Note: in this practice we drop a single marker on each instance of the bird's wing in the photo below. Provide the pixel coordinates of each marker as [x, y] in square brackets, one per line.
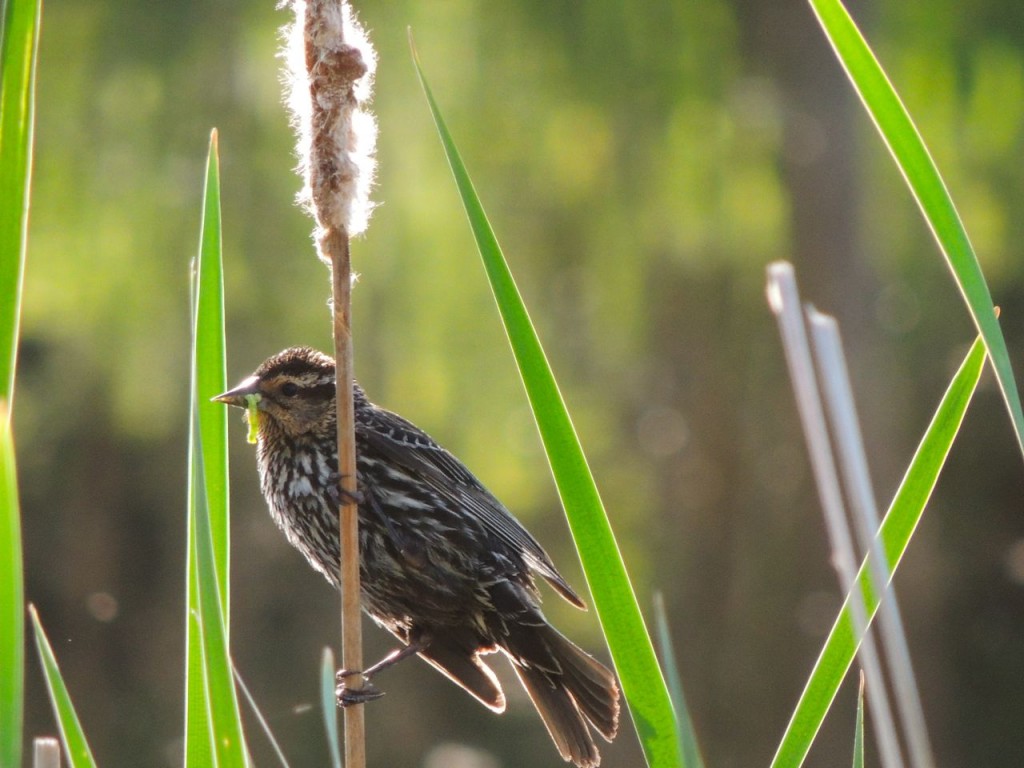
[408, 446]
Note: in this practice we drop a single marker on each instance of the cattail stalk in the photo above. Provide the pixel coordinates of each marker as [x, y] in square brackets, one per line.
[331, 67]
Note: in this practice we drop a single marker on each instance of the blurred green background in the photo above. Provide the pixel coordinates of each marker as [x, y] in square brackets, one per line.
[641, 166]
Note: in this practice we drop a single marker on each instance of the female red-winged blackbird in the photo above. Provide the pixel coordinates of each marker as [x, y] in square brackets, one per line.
[445, 567]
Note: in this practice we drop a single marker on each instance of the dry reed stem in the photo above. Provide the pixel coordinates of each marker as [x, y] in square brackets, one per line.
[335, 244]
[45, 752]
[331, 65]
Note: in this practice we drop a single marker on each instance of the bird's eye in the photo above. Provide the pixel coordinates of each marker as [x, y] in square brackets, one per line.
[289, 389]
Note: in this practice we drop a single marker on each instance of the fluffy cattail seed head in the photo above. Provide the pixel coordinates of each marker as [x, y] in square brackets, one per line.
[329, 81]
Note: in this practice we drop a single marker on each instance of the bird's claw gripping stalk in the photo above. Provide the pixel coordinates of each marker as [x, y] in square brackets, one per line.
[368, 692]
[347, 697]
[339, 495]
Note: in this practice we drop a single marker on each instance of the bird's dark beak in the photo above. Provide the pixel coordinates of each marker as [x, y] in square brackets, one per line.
[237, 395]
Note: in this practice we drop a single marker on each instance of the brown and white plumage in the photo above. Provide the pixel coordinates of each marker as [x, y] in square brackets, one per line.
[445, 567]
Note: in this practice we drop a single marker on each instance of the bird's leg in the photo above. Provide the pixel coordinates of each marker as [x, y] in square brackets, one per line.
[348, 696]
[390, 660]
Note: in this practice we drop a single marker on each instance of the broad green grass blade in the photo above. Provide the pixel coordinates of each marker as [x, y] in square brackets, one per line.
[628, 640]
[897, 528]
[915, 163]
[329, 707]
[75, 746]
[18, 48]
[858, 729]
[210, 370]
[198, 749]
[225, 721]
[19, 41]
[687, 734]
[12, 603]
[210, 691]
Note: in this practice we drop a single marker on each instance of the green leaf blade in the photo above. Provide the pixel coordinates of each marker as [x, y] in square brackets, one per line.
[12, 603]
[198, 750]
[908, 149]
[210, 365]
[899, 524]
[18, 55]
[687, 733]
[630, 644]
[225, 721]
[75, 745]
[19, 43]
[858, 729]
[213, 728]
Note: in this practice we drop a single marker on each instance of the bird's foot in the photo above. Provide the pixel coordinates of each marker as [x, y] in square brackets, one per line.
[347, 697]
[339, 495]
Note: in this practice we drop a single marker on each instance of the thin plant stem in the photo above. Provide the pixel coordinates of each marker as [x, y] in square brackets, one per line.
[785, 302]
[335, 244]
[850, 445]
[331, 63]
[259, 717]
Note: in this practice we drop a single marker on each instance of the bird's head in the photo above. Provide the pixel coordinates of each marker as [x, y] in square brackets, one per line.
[292, 392]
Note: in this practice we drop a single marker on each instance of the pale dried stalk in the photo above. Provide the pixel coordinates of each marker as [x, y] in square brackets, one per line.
[45, 752]
[334, 243]
[331, 72]
[835, 381]
[785, 302]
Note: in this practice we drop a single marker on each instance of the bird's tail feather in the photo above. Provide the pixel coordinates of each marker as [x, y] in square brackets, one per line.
[562, 718]
[569, 688]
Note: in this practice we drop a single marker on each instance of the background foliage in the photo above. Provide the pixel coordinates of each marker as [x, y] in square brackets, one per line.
[641, 168]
